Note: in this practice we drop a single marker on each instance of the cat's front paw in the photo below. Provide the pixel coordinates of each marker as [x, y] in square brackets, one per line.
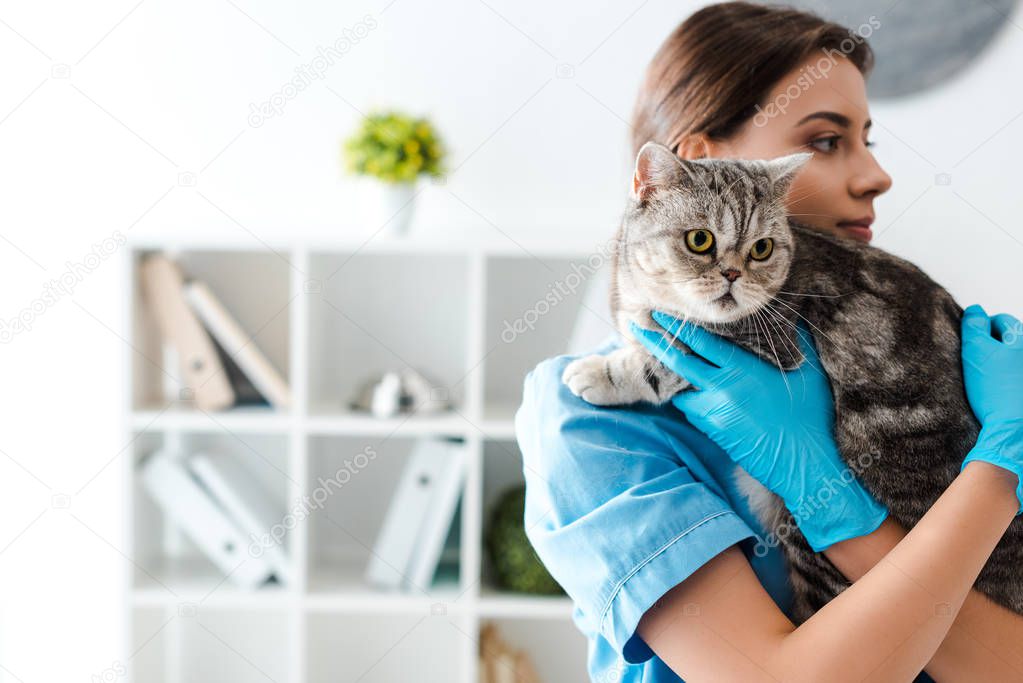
[588, 379]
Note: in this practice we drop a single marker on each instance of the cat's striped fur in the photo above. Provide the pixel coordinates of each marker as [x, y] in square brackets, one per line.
[887, 335]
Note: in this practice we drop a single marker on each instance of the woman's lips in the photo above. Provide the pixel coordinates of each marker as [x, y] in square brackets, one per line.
[858, 229]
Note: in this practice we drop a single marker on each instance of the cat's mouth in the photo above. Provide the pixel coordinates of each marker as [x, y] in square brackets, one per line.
[727, 308]
[724, 308]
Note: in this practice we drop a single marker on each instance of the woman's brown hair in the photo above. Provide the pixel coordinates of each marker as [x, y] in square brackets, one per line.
[714, 71]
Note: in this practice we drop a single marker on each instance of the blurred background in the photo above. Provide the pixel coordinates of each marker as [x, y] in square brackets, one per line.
[215, 133]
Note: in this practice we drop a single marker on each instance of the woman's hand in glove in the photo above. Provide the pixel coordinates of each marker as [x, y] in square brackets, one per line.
[993, 372]
[776, 424]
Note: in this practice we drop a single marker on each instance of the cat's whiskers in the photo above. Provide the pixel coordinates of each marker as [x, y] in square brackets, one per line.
[781, 318]
[767, 334]
[764, 306]
[660, 356]
[778, 320]
[796, 200]
[823, 334]
[827, 296]
[734, 182]
[819, 215]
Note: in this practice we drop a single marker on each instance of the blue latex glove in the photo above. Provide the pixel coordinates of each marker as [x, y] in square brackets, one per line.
[993, 371]
[777, 425]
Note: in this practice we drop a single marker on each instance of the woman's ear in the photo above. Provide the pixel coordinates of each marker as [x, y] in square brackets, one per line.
[696, 146]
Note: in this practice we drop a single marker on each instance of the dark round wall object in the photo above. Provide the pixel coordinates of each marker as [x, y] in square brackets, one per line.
[918, 43]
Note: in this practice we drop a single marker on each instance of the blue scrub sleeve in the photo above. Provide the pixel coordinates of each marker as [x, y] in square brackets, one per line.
[611, 509]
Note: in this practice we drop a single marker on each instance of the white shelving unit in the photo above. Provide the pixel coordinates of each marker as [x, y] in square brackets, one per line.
[330, 315]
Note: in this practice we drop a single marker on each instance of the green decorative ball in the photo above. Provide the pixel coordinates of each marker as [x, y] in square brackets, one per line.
[515, 564]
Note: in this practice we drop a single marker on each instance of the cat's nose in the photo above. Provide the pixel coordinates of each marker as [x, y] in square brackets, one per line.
[731, 274]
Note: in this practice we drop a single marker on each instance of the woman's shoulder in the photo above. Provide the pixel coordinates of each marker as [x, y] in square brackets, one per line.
[550, 414]
[593, 473]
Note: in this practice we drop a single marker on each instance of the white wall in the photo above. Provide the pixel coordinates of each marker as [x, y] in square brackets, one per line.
[155, 89]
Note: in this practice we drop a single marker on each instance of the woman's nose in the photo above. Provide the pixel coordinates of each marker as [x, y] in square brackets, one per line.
[869, 179]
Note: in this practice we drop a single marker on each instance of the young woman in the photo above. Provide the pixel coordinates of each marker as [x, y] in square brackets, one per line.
[635, 511]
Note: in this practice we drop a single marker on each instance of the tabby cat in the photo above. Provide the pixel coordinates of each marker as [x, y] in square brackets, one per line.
[709, 240]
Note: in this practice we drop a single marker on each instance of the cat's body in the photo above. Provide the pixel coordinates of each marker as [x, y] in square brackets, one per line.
[887, 336]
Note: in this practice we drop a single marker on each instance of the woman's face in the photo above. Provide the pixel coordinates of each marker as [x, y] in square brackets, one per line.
[820, 107]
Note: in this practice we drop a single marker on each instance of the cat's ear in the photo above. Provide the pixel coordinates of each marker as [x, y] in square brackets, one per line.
[656, 167]
[783, 170]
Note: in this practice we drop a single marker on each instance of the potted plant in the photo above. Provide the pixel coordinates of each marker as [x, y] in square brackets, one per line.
[395, 149]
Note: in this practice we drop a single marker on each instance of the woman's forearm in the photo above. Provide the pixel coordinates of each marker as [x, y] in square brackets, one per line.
[985, 640]
[889, 624]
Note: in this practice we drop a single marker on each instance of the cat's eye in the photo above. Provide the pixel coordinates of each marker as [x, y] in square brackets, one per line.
[699, 241]
[762, 248]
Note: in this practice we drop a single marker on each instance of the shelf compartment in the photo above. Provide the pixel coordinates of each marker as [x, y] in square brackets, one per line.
[502, 470]
[499, 421]
[415, 317]
[336, 585]
[254, 286]
[556, 648]
[385, 648]
[532, 309]
[357, 477]
[168, 581]
[167, 564]
[199, 644]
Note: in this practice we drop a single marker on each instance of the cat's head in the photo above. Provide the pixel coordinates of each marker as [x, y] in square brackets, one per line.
[707, 238]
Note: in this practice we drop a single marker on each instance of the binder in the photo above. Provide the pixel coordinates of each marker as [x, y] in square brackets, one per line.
[189, 507]
[394, 555]
[239, 346]
[439, 516]
[200, 368]
[246, 502]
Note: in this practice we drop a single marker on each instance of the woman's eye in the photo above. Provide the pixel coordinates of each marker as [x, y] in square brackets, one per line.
[699, 241]
[828, 144]
[761, 249]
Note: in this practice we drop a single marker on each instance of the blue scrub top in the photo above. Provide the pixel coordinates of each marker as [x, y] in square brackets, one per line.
[624, 503]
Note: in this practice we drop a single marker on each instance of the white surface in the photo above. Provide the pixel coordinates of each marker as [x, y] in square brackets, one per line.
[536, 156]
[395, 547]
[335, 512]
[439, 517]
[246, 504]
[189, 509]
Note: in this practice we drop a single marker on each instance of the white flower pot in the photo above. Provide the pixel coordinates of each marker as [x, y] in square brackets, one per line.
[395, 206]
